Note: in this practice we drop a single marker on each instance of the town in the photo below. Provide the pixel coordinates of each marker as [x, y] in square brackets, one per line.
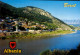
[9, 26]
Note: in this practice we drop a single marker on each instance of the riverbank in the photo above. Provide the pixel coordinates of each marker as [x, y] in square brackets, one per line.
[40, 35]
[62, 52]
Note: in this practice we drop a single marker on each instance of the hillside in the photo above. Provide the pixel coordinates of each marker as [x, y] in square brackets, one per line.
[33, 14]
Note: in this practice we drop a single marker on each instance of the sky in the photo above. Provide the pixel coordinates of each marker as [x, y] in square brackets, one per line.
[56, 8]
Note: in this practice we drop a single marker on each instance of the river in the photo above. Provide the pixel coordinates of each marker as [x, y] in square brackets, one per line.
[34, 47]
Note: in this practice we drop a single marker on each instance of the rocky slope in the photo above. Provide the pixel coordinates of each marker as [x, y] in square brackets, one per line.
[61, 25]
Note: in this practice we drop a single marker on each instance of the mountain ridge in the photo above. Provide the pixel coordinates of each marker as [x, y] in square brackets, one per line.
[33, 14]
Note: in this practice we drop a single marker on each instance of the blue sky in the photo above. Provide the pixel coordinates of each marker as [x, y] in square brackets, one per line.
[56, 8]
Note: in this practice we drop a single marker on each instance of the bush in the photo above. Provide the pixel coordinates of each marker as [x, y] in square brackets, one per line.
[47, 52]
[62, 52]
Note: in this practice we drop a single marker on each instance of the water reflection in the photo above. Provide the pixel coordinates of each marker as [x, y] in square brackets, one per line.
[34, 47]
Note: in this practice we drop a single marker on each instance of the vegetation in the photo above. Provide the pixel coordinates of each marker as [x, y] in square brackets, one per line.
[40, 35]
[32, 15]
[62, 52]
[72, 26]
[37, 28]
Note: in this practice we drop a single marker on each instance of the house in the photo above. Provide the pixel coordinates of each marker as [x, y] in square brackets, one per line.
[0, 30]
[27, 29]
[3, 30]
[37, 23]
[7, 17]
[29, 23]
[34, 26]
[1, 22]
[58, 28]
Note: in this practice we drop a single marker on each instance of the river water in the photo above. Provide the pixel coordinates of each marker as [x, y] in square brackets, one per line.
[34, 47]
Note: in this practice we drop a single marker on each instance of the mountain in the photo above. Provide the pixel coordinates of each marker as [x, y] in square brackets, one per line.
[33, 14]
[72, 21]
